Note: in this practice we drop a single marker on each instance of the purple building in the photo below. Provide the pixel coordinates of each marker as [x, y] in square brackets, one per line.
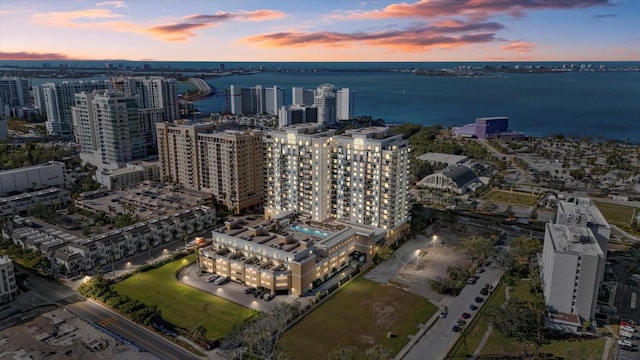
[483, 128]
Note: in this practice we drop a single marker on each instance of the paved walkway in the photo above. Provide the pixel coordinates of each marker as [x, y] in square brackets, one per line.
[607, 345]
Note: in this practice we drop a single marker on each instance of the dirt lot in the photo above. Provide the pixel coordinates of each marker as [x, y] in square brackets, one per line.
[60, 335]
[433, 260]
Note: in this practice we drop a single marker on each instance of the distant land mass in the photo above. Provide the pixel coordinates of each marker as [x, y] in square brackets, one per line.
[587, 99]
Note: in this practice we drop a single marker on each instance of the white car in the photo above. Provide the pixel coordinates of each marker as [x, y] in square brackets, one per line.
[628, 328]
[625, 343]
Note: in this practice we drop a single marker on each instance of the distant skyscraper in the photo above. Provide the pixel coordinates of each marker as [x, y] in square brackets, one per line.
[155, 92]
[15, 96]
[58, 98]
[344, 104]
[107, 127]
[297, 114]
[301, 96]
[256, 100]
[325, 101]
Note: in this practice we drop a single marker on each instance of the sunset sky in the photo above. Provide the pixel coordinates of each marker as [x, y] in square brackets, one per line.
[321, 30]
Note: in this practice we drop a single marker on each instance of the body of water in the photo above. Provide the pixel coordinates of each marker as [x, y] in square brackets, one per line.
[596, 104]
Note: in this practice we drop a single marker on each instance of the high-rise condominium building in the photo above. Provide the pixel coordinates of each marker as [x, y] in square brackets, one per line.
[226, 163]
[573, 260]
[326, 102]
[301, 96]
[256, 100]
[58, 98]
[344, 104]
[297, 114]
[107, 127]
[361, 177]
[15, 95]
[154, 92]
[298, 170]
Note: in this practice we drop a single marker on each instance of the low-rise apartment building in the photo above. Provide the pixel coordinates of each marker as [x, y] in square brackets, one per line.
[74, 254]
[285, 258]
[32, 177]
[21, 203]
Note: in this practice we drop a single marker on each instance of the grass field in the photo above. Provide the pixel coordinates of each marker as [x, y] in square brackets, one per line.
[182, 305]
[360, 315]
[512, 197]
[618, 215]
[499, 344]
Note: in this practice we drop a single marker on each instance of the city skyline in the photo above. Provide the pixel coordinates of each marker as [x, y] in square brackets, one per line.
[427, 30]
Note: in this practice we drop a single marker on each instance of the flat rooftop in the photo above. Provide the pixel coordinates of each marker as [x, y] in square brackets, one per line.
[583, 207]
[448, 159]
[576, 240]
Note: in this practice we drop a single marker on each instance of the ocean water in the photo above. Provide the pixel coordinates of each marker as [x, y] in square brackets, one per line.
[597, 104]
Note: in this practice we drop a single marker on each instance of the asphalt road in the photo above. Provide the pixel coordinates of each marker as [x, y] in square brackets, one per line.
[140, 337]
[436, 342]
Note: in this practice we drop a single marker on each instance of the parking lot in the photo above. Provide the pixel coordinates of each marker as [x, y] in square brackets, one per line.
[628, 342]
[233, 291]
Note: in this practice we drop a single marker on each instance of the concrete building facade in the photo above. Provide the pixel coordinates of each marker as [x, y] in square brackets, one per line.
[58, 98]
[8, 287]
[15, 96]
[297, 114]
[107, 127]
[33, 177]
[17, 204]
[573, 261]
[326, 102]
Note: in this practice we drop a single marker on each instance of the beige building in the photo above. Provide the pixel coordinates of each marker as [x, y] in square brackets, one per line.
[285, 258]
[360, 177]
[226, 163]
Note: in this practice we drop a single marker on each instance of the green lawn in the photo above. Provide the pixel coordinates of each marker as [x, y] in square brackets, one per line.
[617, 214]
[498, 344]
[360, 315]
[182, 305]
[512, 197]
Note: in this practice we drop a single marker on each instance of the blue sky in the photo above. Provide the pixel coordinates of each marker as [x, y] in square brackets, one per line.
[327, 30]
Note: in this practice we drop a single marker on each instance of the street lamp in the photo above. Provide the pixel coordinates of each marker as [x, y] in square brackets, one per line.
[417, 258]
[433, 242]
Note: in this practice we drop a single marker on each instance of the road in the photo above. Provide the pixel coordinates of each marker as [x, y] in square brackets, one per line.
[436, 342]
[140, 337]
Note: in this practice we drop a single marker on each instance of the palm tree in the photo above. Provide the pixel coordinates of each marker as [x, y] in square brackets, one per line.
[198, 332]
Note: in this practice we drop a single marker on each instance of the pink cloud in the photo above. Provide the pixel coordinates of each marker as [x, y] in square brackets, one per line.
[435, 8]
[444, 35]
[102, 19]
[519, 46]
[23, 55]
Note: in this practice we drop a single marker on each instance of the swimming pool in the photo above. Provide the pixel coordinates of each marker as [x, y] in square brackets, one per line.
[308, 231]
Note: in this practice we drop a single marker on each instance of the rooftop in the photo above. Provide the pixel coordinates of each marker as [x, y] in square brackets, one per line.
[448, 159]
[573, 240]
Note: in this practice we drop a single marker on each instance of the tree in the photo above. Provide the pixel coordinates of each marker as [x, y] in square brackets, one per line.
[523, 246]
[198, 332]
[477, 248]
[384, 252]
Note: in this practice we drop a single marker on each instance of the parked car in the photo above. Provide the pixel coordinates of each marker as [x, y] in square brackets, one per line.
[627, 323]
[456, 328]
[212, 278]
[465, 315]
[479, 299]
[443, 314]
[250, 290]
[479, 270]
[461, 322]
[484, 292]
[625, 343]
[473, 307]
[221, 280]
[269, 296]
[628, 328]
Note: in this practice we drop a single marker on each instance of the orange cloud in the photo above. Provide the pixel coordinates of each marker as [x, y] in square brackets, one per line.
[23, 55]
[444, 34]
[519, 46]
[101, 19]
[436, 8]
